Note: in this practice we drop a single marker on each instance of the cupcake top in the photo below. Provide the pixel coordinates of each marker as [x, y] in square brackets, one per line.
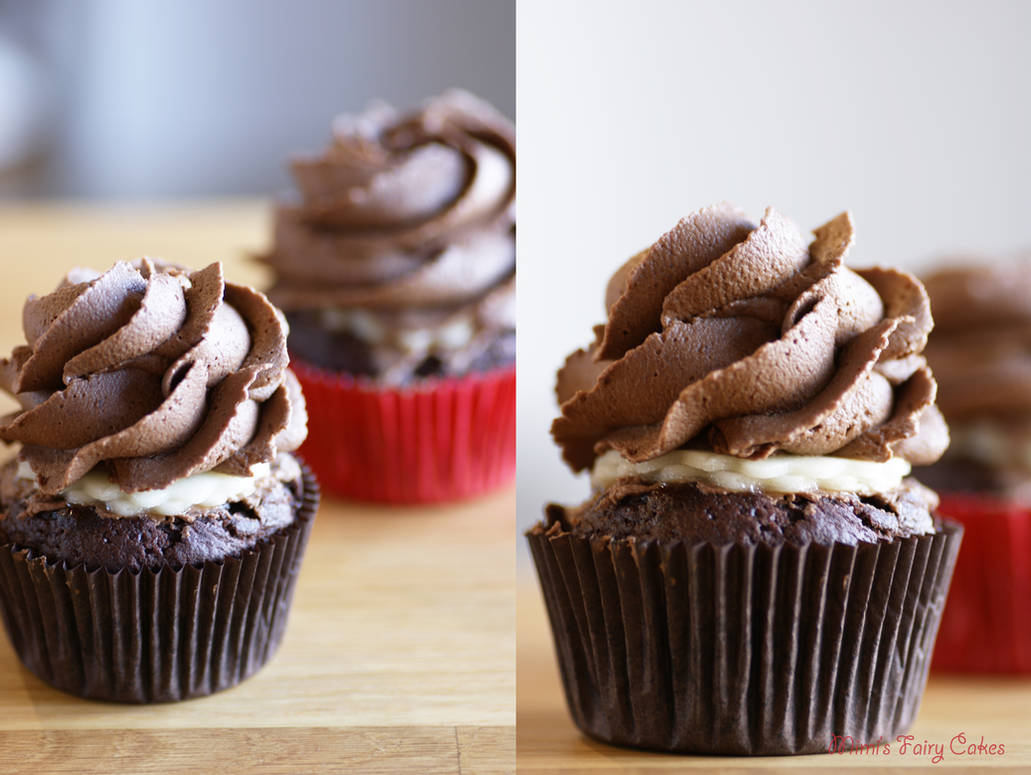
[745, 350]
[147, 376]
[403, 235]
[981, 346]
[981, 354]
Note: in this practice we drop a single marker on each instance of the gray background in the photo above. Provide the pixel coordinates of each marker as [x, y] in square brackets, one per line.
[139, 99]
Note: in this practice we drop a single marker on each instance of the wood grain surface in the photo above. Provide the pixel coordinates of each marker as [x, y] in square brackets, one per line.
[400, 652]
[547, 741]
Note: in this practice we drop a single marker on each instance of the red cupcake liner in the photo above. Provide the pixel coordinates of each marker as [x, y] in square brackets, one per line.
[986, 627]
[443, 440]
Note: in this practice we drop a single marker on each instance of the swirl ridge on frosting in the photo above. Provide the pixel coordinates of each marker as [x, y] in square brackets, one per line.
[407, 219]
[747, 340]
[154, 371]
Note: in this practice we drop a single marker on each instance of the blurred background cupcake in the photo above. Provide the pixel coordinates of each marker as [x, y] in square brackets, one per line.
[980, 350]
[396, 269]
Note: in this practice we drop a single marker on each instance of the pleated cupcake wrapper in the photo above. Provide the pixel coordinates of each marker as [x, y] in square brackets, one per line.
[744, 649]
[153, 635]
[444, 440]
[986, 627]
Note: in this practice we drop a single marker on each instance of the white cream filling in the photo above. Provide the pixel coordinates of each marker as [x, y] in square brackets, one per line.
[779, 473]
[452, 335]
[984, 441]
[203, 490]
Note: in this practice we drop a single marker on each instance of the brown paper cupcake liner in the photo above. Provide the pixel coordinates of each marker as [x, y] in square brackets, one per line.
[741, 649]
[154, 635]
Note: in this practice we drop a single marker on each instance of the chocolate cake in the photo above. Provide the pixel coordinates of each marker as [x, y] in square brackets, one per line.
[980, 350]
[397, 262]
[153, 519]
[95, 537]
[693, 512]
[753, 572]
[341, 351]
[395, 266]
[981, 353]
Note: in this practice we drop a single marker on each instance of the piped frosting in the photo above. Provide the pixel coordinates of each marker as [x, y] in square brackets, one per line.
[154, 373]
[409, 221]
[748, 340]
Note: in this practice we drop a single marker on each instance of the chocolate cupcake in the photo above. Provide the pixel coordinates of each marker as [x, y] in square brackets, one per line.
[396, 270]
[153, 520]
[753, 573]
[981, 353]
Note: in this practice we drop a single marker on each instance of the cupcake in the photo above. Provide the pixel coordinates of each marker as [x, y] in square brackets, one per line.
[153, 520]
[396, 270]
[753, 572]
[981, 353]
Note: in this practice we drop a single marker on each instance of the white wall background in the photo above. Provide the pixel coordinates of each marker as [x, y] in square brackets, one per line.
[913, 114]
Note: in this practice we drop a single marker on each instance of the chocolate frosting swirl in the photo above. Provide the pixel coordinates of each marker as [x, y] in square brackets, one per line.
[405, 215]
[154, 371]
[748, 340]
[981, 345]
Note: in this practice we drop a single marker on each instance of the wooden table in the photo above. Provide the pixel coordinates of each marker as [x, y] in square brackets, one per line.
[547, 741]
[400, 652]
